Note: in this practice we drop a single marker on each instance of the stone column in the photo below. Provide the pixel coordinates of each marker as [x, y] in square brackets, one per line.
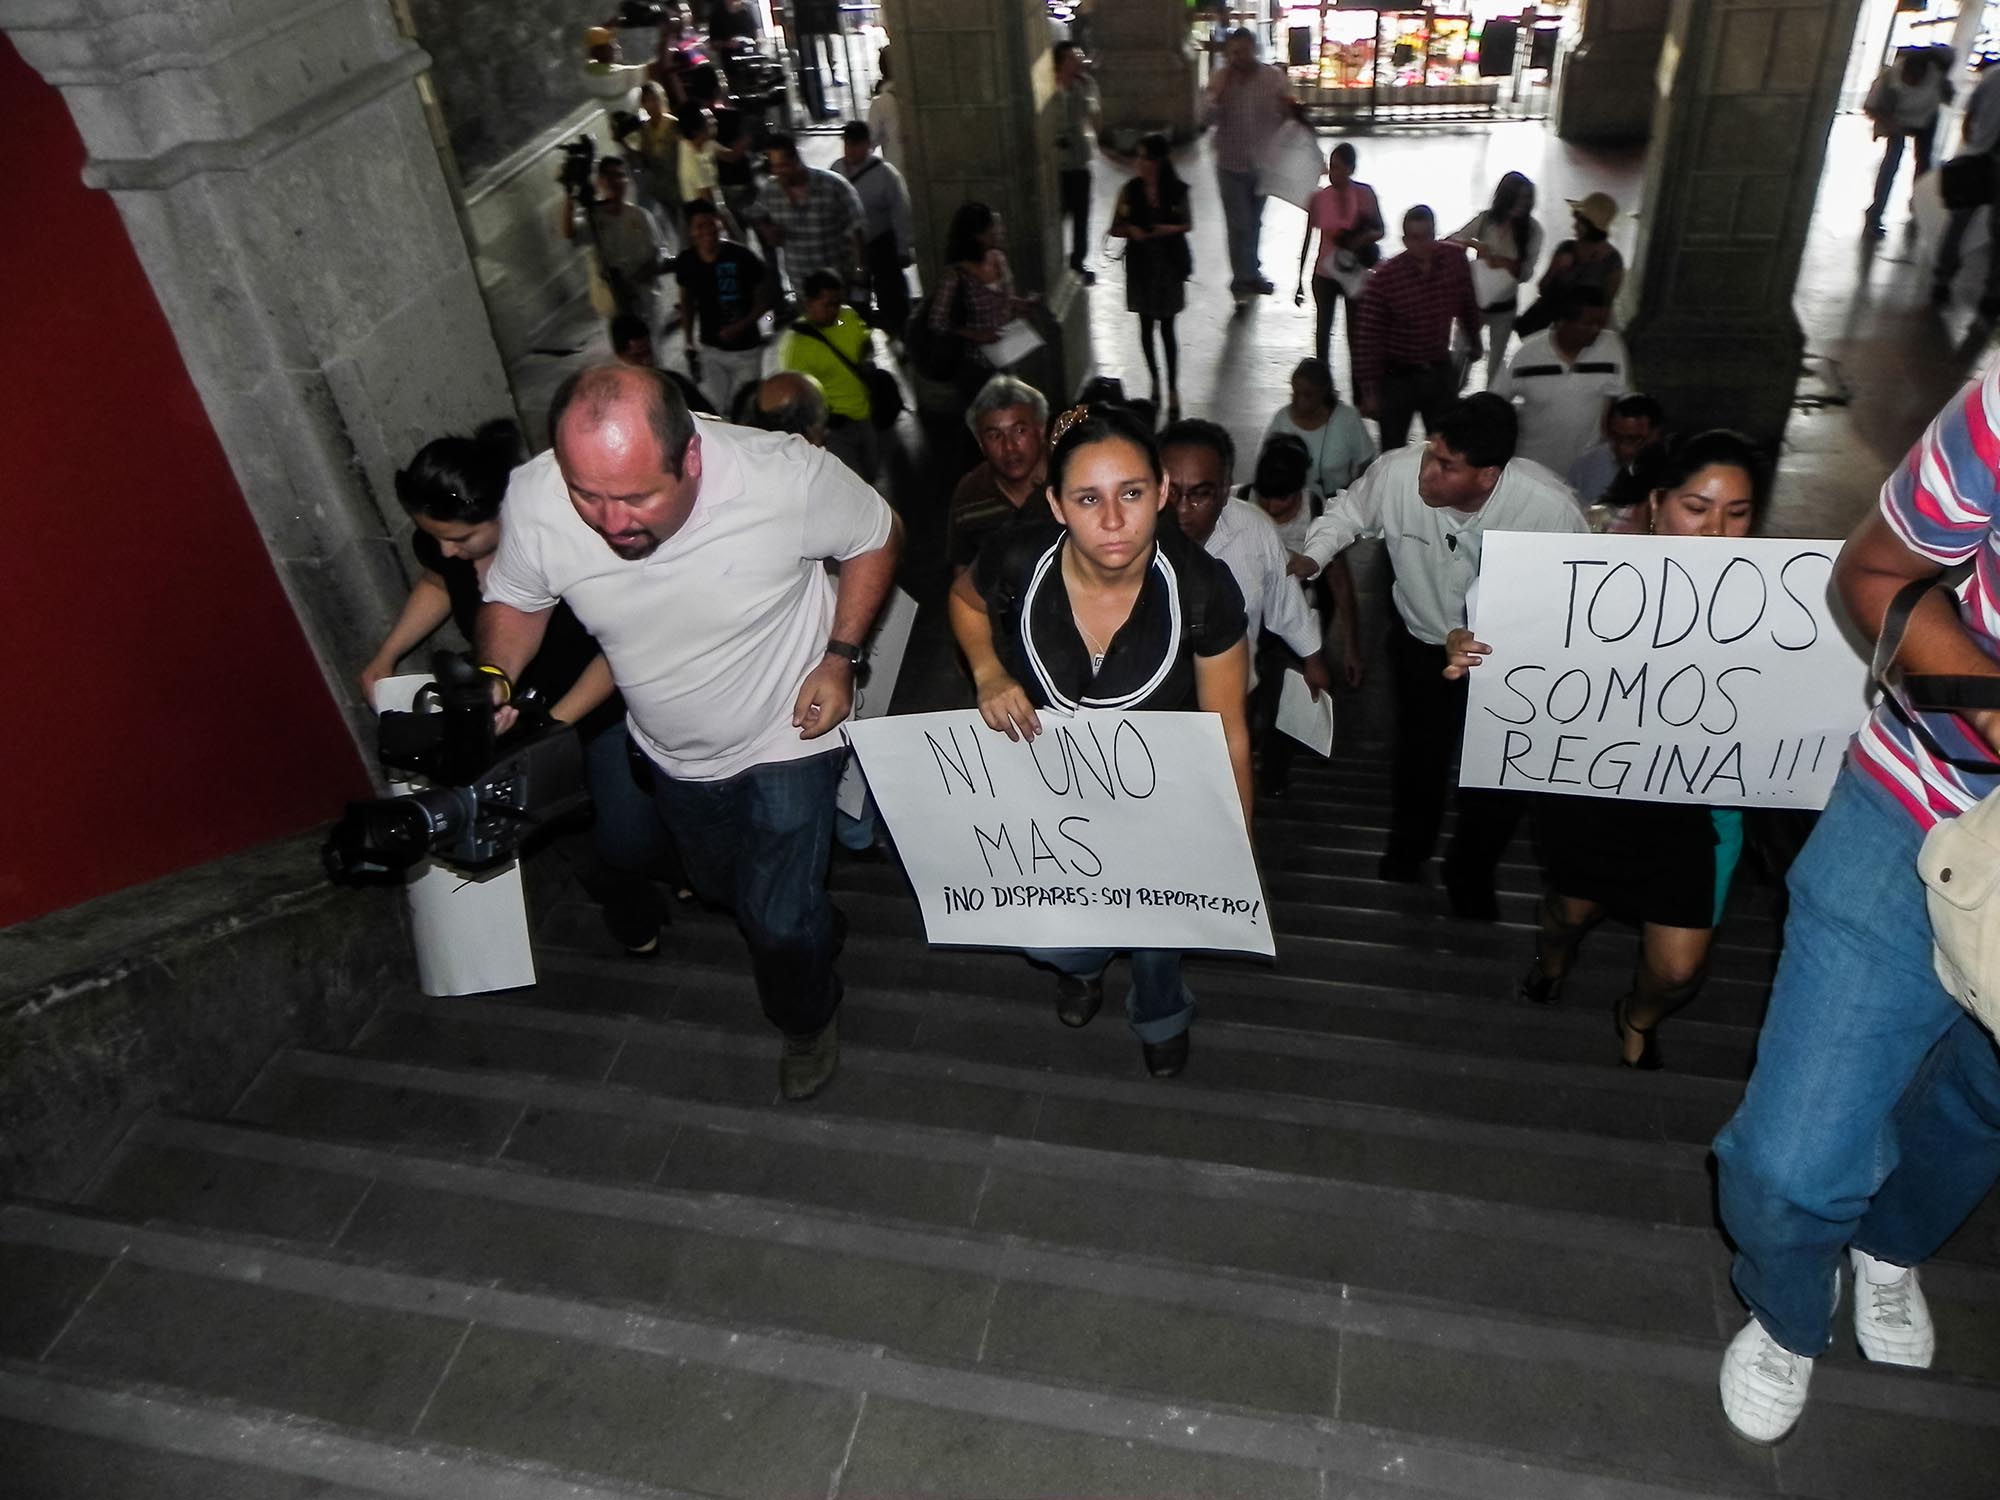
[1748, 89]
[275, 171]
[977, 90]
[1144, 67]
[1604, 94]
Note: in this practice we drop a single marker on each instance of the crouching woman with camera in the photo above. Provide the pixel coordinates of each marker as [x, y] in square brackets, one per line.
[1106, 608]
[452, 491]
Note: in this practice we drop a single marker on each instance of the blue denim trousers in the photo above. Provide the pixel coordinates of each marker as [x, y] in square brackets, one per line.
[1873, 1115]
[1243, 222]
[757, 843]
[1158, 1006]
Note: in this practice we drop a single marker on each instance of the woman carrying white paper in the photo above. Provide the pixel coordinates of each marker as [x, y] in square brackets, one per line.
[1666, 863]
[1104, 608]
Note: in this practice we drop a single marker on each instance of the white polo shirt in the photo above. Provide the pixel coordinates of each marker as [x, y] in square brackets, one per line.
[711, 636]
[1561, 402]
[1435, 551]
[1246, 541]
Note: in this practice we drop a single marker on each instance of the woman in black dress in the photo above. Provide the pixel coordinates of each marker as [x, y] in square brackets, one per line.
[1105, 608]
[1656, 861]
[1153, 220]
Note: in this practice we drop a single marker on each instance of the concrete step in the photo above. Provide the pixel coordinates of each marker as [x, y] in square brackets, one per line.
[515, 1294]
[65, 1435]
[607, 1387]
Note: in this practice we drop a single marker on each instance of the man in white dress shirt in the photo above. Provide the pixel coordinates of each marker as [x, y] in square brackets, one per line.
[1432, 506]
[1198, 457]
[695, 553]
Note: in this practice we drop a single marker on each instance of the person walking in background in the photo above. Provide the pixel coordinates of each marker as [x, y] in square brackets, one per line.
[1632, 427]
[1587, 258]
[831, 343]
[1665, 863]
[625, 239]
[975, 297]
[885, 113]
[1979, 151]
[1337, 446]
[1403, 365]
[725, 292]
[1505, 239]
[1871, 1126]
[890, 246]
[1107, 608]
[1282, 632]
[1564, 380]
[1079, 109]
[1347, 216]
[810, 218]
[1246, 101]
[1904, 106]
[1153, 219]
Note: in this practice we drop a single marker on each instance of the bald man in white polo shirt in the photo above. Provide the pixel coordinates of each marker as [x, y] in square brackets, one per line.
[694, 552]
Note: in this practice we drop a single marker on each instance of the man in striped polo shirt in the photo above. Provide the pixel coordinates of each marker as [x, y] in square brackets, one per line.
[1871, 1126]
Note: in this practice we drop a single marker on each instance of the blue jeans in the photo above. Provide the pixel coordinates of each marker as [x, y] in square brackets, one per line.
[1873, 1115]
[1158, 1005]
[627, 846]
[1243, 221]
[757, 843]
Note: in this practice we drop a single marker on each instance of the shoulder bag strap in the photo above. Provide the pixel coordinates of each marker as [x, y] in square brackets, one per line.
[1951, 694]
[811, 332]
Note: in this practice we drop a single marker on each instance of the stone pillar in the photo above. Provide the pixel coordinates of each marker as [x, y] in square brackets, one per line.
[277, 176]
[977, 90]
[1604, 93]
[1748, 89]
[1144, 67]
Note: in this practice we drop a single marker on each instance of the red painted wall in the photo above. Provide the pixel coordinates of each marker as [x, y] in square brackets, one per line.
[159, 705]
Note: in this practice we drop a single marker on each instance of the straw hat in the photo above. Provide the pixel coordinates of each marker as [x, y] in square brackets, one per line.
[1598, 209]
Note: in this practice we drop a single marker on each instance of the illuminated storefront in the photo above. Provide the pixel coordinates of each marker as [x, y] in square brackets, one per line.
[1449, 57]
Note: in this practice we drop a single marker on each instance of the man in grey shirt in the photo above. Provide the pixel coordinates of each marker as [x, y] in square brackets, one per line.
[889, 244]
[1076, 98]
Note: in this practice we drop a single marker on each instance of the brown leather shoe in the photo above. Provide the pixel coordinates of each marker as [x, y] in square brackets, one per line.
[808, 1062]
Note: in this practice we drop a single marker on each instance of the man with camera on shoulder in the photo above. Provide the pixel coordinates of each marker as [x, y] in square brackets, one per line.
[627, 242]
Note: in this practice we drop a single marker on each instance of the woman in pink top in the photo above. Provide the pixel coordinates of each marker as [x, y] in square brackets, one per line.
[1349, 221]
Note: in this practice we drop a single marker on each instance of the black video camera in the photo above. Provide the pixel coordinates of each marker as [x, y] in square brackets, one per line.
[482, 795]
[578, 172]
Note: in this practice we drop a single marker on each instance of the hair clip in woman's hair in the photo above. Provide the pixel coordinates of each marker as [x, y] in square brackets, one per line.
[1066, 421]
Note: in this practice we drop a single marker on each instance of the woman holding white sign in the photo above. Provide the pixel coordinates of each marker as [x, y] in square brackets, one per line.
[1104, 608]
[1666, 863]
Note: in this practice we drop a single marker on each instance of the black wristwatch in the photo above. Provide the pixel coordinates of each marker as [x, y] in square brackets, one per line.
[847, 651]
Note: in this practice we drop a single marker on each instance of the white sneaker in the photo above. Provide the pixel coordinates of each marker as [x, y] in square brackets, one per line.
[1892, 1322]
[1763, 1385]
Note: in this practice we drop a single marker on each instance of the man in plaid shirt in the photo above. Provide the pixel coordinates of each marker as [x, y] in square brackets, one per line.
[810, 219]
[1402, 354]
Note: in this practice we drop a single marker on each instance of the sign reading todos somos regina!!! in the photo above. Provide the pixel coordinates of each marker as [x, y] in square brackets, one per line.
[1108, 830]
[1674, 669]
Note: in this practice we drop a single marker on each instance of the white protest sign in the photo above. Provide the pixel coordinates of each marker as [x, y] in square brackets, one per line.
[886, 645]
[1292, 164]
[1671, 669]
[1109, 830]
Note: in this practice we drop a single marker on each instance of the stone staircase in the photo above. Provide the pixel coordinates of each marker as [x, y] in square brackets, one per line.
[1393, 1235]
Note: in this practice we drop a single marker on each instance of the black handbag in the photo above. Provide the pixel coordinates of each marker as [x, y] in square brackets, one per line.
[885, 396]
